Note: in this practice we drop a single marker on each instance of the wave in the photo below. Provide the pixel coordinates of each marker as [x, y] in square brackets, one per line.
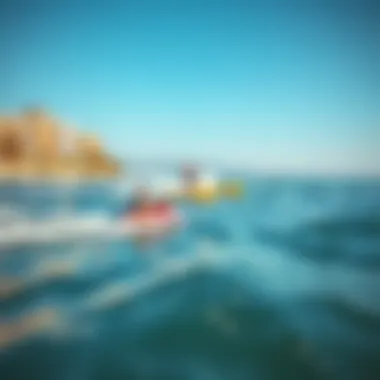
[232, 307]
[164, 271]
[349, 240]
[68, 229]
[57, 229]
[32, 323]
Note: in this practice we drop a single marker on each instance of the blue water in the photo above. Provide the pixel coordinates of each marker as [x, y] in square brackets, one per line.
[283, 284]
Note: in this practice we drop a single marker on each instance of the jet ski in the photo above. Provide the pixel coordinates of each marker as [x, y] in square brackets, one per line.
[153, 218]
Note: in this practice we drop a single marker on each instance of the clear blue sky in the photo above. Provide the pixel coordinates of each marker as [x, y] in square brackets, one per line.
[256, 83]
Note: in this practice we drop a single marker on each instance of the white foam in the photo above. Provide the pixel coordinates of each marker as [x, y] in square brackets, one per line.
[286, 276]
[10, 214]
[44, 271]
[33, 323]
[70, 229]
[167, 270]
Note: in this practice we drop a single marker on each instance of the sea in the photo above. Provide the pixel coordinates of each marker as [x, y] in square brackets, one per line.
[281, 283]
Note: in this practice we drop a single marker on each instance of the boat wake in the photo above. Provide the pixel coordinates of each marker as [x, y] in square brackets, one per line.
[71, 229]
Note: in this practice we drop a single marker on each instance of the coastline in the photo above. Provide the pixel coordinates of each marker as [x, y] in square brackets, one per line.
[59, 181]
[36, 147]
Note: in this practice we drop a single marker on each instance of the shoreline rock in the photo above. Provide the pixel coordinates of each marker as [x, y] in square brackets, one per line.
[35, 147]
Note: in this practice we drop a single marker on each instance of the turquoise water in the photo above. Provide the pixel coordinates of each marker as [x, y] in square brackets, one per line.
[283, 284]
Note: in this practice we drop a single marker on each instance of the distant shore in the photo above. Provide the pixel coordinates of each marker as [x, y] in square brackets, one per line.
[36, 147]
[64, 180]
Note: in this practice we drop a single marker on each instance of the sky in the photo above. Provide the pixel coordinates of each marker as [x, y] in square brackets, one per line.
[274, 85]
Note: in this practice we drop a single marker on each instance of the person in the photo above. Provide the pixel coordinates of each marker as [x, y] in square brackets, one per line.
[190, 178]
[147, 211]
[141, 201]
[163, 207]
[144, 205]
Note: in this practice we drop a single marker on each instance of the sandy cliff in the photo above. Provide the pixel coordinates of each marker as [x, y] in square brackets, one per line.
[34, 145]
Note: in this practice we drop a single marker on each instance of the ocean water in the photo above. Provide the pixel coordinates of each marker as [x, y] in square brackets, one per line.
[281, 284]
